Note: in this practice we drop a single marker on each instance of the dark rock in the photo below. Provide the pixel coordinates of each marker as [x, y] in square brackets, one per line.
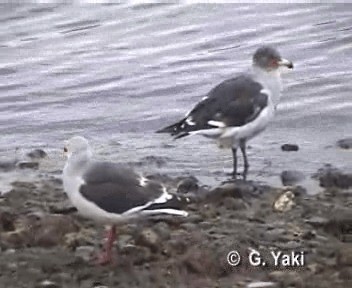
[291, 177]
[28, 165]
[234, 203]
[7, 166]
[346, 273]
[62, 208]
[235, 189]
[345, 143]
[37, 154]
[289, 147]
[332, 177]
[187, 185]
[7, 221]
[340, 224]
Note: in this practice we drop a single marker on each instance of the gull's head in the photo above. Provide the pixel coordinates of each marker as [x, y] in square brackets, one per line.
[269, 59]
[76, 145]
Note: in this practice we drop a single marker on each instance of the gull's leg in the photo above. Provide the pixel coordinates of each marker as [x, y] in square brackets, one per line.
[106, 256]
[234, 156]
[245, 160]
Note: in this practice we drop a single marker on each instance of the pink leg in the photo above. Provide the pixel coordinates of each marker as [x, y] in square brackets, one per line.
[106, 257]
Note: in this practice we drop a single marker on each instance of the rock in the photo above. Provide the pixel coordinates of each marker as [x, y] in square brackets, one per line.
[234, 203]
[6, 166]
[345, 143]
[148, 238]
[235, 189]
[7, 221]
[346, 273]
[287, 278]
[154, 160]
[261, 284]
[200, 261]
[37, 154]
[50, 230]
[344, 255]
[38, 229]
[340, 224]
[163, 230]
[317, 221]
[85, 252]
[330, 176]
[28, 165]
[62, 208]
[291, 177]
[289, 147]
[284, 202]
[189, 184]
[48, 284]
[137, 255]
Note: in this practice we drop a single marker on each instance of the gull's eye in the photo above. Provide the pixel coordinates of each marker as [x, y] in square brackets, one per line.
[65, 150]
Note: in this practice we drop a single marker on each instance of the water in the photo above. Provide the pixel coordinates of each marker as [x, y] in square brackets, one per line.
[117, 73]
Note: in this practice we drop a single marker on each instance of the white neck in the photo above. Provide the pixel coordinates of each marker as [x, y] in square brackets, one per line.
[78, 159]
[271, 80]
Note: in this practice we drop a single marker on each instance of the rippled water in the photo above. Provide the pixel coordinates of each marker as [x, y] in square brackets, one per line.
[116, 73]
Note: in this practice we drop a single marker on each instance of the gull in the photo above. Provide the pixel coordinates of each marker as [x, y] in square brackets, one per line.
[237, 109]
[110, 193]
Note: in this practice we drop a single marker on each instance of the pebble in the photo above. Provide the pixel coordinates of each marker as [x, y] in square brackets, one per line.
[289, 147]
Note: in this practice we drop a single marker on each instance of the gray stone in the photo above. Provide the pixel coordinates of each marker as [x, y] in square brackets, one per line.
[345, 143]
[291, 177]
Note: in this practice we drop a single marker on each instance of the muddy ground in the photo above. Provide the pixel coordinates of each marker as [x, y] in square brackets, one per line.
[44, 243]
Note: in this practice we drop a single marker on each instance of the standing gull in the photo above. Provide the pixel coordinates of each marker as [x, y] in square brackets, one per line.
[237, 109]
[110, 194]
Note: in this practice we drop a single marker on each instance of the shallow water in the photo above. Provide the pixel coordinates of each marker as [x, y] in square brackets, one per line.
[117, 73]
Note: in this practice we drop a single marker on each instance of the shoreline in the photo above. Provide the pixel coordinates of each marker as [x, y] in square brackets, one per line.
[45, 244]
